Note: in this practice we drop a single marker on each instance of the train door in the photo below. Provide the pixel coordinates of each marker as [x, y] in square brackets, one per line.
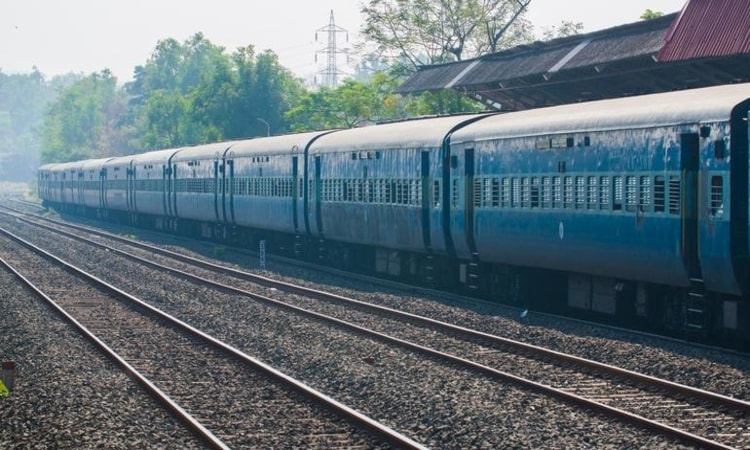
[79, 179]
[469, 200]
[295, 189]
[426, 201]
[219, 194]
[130, 187]
[315, 188]
[695, 308]
[102, 188]
[166, 176]
[690, 155]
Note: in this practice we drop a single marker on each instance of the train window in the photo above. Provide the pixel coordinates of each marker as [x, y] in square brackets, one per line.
[535, 192]
[717, 196]
[556, 192]
[674, 194]
[370, 189]
[644, 198]
[454, 192]
[618, 194]
[604, 193]
[631, 192]
[515, 192]
[592, 196]
[495, 192]
[525, 192]
[580, 192]
[720, 149]
[436, 193]
[487, 192]
[568, 192]
[659, 193]
[505, 192]
[478, 193]
[546, 192]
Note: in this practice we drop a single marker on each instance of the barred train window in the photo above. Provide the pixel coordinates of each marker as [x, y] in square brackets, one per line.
[495, 192]
[515, 192]
[535, 192]
[568, 192]
[644, 197]
[477, 193]
[674, 194]
[631, 189]
[618, 195]
[505, 192]
[604, 193]
[454, 192]
[592, 193]
[546, 193]
[717, 196]
[525, 196]
[556, 191]
[580, 192]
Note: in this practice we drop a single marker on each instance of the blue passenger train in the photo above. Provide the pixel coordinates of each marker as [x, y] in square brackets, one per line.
[634, 207]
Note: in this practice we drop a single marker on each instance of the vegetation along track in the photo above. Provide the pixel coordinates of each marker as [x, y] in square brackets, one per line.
[658, 404]
[235, 397]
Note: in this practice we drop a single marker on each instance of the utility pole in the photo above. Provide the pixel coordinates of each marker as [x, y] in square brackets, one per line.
[331, 72]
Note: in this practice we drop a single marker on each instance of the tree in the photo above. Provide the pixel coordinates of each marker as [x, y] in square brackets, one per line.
[421, 32]
[24, 99]
[82, 123]
[353, 103]
[650, 14]
[566, 28]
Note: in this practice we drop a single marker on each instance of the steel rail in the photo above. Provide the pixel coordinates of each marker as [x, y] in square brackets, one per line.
[521, 347]
[626, 416]
[376, 428]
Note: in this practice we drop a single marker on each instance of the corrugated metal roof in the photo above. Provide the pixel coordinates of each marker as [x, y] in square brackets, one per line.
[708, 28]
[433, 77]
[633, 40]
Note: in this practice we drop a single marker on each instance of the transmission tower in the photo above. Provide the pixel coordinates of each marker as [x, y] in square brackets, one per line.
[331, 72]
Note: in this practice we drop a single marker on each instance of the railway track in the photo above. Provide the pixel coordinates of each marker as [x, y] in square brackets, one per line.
[224, 396]
[698, 417]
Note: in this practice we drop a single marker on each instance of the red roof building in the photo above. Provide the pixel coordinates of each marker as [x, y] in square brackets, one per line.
[708, 29]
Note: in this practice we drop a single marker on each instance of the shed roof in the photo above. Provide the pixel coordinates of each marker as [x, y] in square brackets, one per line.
[708, 28]
[616, 62]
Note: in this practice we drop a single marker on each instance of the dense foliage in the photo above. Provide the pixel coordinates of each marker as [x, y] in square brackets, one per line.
[23, 100]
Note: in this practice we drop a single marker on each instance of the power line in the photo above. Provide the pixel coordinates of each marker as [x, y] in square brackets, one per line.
[331, 72]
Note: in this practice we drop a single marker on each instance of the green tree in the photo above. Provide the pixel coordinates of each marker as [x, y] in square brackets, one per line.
[650, 14]
[24, 99]
[353, 103]
[82, 123]
[564, 29]
[420, 32]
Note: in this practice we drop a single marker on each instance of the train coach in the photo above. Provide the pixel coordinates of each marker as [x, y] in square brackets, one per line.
[633, 207]
[619, 199]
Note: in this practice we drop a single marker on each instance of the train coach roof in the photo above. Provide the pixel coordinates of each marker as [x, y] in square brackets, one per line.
[155, 157]
[284, 144]
[90, 164]
[204, 151]
[417, 133]
[665, 109]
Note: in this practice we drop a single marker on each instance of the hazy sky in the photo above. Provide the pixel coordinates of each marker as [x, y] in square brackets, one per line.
[60, 36]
